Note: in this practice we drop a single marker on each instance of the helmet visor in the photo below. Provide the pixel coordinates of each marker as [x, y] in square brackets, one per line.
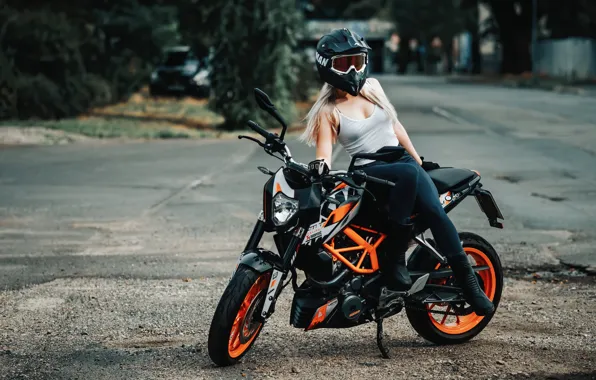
[342, 64]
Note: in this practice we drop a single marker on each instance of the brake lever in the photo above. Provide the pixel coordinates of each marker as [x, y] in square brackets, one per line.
[240, 137]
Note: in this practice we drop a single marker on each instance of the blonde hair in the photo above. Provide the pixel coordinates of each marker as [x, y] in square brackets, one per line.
[323, 107]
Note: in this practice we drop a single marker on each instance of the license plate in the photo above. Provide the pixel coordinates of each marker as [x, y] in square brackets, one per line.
[487, 204]
[176, 88]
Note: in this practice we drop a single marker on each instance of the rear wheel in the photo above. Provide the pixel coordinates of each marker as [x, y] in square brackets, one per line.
[237, 322]
[451, 329]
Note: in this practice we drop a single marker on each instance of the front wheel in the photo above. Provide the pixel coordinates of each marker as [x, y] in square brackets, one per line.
[237, 322]
[448, 328]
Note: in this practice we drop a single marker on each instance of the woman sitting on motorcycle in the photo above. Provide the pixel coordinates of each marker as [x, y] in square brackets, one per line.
[354, 110]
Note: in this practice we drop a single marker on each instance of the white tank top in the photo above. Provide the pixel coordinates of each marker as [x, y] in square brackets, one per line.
[366, 135]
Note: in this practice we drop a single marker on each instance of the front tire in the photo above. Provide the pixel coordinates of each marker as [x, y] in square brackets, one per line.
[237, 322]
[442, 329]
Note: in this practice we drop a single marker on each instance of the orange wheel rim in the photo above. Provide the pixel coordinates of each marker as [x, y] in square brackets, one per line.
[455, 325]
[244, 330]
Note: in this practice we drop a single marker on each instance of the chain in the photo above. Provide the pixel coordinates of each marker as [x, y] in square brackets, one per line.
[413, 307]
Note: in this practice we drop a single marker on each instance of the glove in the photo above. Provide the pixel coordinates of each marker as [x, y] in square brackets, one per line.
[318, 167]
[429, 165]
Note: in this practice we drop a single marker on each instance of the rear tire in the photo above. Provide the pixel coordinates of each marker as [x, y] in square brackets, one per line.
[464, 328]
[237, 323]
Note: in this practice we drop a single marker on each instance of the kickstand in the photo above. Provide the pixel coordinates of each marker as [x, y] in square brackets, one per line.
[384, 350]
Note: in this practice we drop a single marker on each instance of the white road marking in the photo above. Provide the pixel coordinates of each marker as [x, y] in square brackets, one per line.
[458, 120]
[449, 116]
[233, 161]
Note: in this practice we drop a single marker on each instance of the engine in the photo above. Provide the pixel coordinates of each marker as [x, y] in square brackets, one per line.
[347, 306]
[314, 308]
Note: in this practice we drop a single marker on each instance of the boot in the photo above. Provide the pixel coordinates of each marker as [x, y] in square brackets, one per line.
[466, 278]
[396, 276]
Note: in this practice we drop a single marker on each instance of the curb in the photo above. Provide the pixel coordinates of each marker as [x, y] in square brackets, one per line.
[513, 83]
[570, 90]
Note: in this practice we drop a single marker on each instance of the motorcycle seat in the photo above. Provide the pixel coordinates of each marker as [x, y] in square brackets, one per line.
[385, 154]
[446, 179]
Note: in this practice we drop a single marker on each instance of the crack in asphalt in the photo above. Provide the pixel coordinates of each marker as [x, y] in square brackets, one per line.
[234, 161]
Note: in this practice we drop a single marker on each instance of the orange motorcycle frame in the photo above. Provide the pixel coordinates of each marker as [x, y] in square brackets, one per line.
[367, 249]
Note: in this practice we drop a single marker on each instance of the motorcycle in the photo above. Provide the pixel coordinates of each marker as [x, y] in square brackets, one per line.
[330, 225]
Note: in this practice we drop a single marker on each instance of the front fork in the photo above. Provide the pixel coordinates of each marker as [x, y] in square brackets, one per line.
[281, 268]
[281, 272]
[256, 235]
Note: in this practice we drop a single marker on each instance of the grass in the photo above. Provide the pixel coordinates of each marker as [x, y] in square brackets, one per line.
[189, 112]
[140, 117]
[113, 128]
[144, 117]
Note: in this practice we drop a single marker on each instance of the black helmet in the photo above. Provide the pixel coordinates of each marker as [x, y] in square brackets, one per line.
[342, 60]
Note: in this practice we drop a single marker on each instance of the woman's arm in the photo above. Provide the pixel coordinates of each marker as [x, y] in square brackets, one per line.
[405, 141]
[325, 140]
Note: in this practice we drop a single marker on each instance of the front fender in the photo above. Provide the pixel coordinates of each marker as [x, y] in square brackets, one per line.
[257, 259]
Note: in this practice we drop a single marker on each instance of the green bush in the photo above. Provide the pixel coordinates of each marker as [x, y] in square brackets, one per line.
[39, 97]
[307, 77]
[81, 54]
[254, 45]
[8, 96]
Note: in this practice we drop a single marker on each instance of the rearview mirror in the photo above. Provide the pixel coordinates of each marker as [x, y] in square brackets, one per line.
[265, 103]
[263, 100]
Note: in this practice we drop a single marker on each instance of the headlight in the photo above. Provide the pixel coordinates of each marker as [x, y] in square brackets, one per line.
[154, 76]
[202, 78]
[283, 208]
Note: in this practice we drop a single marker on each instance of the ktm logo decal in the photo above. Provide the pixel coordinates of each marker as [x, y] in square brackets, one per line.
[322, 61]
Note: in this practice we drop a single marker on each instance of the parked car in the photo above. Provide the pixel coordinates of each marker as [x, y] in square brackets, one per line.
[181, 72]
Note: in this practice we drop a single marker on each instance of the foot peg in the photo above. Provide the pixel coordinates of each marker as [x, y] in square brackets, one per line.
[418, 285]
[390, 298]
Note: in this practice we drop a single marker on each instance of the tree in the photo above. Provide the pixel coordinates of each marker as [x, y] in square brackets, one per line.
[341, 9]
[513, 24]
[61, 58]
[198, 20]
[253, 48]
[572, 18]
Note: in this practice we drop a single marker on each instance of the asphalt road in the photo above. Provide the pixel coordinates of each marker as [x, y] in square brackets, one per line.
[113, 255]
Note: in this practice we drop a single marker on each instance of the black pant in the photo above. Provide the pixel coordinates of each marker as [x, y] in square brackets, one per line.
[414, 190]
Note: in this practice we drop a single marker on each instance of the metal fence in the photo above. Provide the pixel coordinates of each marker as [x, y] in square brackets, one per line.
[573, 58]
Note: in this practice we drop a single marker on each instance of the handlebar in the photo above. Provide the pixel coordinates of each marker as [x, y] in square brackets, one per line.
[379, 181]
[257, 128]
[273, 144]
[360, 175]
